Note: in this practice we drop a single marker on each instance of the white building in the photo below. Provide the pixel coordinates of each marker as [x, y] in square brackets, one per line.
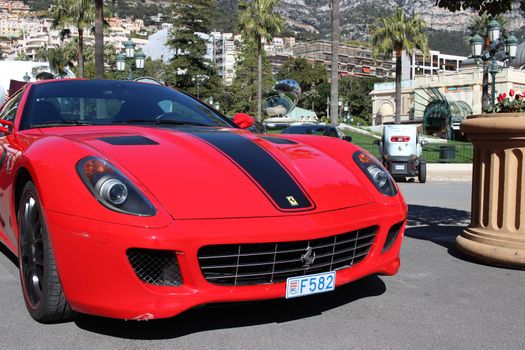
[418, 64]
[157, 47]
[225, 54]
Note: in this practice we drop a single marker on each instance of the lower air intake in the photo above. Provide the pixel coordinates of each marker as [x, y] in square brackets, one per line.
[157, 267]
[392, 235]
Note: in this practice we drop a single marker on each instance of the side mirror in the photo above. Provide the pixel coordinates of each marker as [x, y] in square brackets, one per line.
[376, 142]
[347, 138]
[243, 120]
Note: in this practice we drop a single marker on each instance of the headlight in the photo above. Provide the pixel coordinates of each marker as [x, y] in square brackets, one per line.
[112, 188]
[376, 173]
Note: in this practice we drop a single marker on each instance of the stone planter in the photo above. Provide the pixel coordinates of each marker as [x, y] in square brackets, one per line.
[496, 233]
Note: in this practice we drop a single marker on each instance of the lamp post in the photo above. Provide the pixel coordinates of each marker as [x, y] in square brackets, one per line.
[197, 80]
[499, 50]
[129, 55]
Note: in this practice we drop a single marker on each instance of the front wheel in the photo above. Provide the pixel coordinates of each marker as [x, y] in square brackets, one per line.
[41, 285]
[422, 173]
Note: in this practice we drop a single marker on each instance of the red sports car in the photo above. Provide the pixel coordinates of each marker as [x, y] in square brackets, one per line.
[135, 201]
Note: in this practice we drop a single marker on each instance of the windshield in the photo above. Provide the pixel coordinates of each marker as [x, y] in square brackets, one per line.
[106, 102]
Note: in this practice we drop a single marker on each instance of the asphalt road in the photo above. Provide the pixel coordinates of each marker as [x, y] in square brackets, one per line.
[439, 300]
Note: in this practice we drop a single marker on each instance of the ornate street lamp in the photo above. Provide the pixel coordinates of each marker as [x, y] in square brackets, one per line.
[511, 45]
[499, 50]
[121, 62]
[139, 57]
[494, 29]
[476, 44]
[129, 48]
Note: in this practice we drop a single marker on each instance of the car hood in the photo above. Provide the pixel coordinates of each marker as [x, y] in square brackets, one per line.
[223, 173]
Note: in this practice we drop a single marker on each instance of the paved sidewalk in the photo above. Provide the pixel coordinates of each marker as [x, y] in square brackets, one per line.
[449, 172]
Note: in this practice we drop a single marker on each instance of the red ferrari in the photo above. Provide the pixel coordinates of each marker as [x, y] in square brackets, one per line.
[135, 201]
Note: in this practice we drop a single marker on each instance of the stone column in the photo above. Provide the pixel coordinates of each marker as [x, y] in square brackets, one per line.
[496, 233]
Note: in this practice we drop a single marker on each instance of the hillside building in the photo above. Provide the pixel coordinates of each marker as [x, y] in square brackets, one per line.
[354, 60]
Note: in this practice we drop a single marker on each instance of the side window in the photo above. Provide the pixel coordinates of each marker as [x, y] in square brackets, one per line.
[10, 108]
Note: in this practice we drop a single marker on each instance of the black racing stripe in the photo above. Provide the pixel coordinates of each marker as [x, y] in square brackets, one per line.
[264, 169]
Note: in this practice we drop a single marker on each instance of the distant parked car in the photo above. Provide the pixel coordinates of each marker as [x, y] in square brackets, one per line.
[317, 129]
[258, 128]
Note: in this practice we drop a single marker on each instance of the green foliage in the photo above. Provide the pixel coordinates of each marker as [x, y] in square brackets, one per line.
[189, 70]
[241, 95]
[79, 14]
[259, 22]
[513, 103]
[396, 33]
[306, 74]
[38, 5]
[493, 7]
[59, 58]
[356, 92]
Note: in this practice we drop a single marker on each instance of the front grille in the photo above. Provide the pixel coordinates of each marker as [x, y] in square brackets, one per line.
[158, 267]
[391, 237]
[248, 264]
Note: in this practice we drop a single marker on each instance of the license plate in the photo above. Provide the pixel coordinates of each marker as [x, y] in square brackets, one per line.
[399, 166]
[310, 284]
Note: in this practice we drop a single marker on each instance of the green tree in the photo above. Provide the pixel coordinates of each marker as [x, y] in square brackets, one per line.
[258, 22]
[59, 58]
[334, 73]
[190, 70]
[74, 13]
[241, 95]
[493, 7]
[305, 73]
[355, 92]
[394, 34]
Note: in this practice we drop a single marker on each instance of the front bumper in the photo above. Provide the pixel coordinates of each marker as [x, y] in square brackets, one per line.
[98, 279]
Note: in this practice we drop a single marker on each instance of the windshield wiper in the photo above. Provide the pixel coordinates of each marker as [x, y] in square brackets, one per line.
[179, 122]
[52, 123]
[159, 122]
[131, 121]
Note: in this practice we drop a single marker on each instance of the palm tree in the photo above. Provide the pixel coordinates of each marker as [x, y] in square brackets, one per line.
[393, 35]
[74, 13]
[479, 25]
[59, 58]
[334, 74]
[99, 39]
[258, 22]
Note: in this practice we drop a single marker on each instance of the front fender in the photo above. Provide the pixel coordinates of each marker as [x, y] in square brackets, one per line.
[51, 163]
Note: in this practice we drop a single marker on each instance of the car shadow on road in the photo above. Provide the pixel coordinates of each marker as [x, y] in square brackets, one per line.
[8, 254]
[438, 225]
[234, 315]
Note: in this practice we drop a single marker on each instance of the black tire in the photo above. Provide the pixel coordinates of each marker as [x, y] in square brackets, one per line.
[41, 285]
[422, 173]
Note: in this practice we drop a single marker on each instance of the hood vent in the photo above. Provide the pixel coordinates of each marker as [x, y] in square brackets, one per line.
[278, 140]
[133, 140]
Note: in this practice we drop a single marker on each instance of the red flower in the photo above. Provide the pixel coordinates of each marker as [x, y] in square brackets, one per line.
[511, 92]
